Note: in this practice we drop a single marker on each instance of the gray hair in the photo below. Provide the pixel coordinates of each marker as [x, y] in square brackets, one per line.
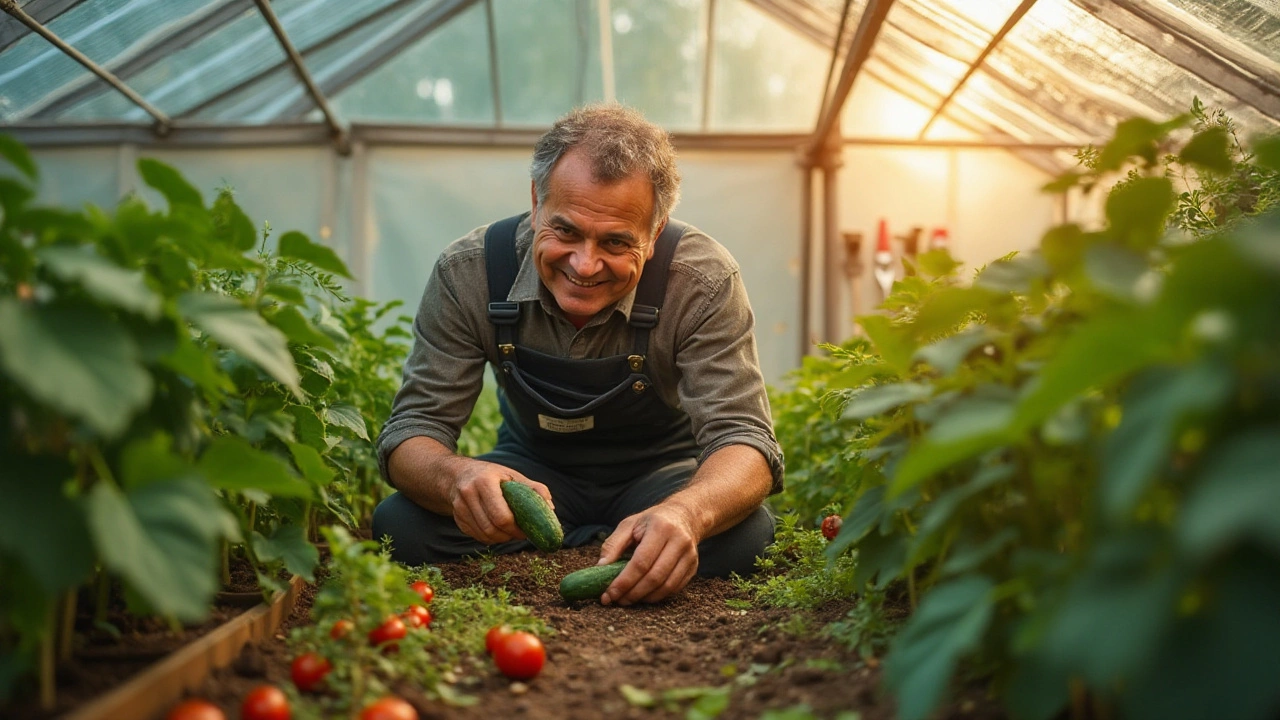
[618, 142]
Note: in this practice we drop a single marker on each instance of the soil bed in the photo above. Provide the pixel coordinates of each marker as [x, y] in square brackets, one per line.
[692, 640]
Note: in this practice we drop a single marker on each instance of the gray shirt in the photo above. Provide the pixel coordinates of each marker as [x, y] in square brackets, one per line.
[702, 354]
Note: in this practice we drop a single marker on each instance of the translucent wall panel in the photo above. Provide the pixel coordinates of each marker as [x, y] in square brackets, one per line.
[767, 77]
[548, 58]
[443, 78]
[659, 52]
[71, 178]
[1256, 23]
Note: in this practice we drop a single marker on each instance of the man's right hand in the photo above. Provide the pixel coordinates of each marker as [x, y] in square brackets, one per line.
[478, 506]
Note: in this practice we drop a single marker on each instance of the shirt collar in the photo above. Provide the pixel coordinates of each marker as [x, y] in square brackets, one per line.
[528, 285]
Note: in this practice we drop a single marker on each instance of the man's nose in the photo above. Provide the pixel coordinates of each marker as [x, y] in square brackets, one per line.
[587, 260]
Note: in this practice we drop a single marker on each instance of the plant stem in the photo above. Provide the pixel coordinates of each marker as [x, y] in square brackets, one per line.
[67, 631]
[226, 563]
[911, 587]
[103, 582]
[48, 679]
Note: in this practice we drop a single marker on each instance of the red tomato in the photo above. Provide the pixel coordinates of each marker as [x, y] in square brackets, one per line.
[195, 709]
[519, 655]
[265, 702]
[389, 708]
[308, 671]
[424, 590]
[417, 616]
[494, 636]
[341, 628]
[390, 630]
[831, 526]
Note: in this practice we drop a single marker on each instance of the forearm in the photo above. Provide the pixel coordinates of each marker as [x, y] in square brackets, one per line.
[425, 471]
[730, 484]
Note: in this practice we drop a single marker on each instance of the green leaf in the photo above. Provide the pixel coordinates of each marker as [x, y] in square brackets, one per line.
[199, 366]
[894, 344]
[880, 399]
[77, 360]
[170, 183]
[1063, 248]
[311, 464]
[1137, 209]
[988, 410]
[1063, 182]
[866, 514]
[151, 459]
[1037, 690]
[948, 624]
[1235, 496]
[231, 226]
[1135, 137]
[1256, 242]
[936, 263]
[1014, 275]
[347, 416]
[288, 544]
[40, 526]
[299, 247]
[1209, 149]
[231, 463]
[244, 331]
[880, 558]
[307, 425]
[947, 354]
[103, 279]
[1116, 270]
[17, 155]
[637, 697]
[163, 539]
[939, 511]
[1266, 151]
[297, 328]
[967, 558]
[1156, 404]
[285, 292]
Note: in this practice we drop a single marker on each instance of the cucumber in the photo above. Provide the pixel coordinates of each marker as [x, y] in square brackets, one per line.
[590, 583]
[533, 516]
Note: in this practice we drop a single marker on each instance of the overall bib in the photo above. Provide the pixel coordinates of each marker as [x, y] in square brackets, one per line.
[595, 431]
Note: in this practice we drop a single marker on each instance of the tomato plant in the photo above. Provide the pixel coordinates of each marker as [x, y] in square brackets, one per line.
[389, 708]
[831, 526]
[389, 631]
[417, 616]
[195, 709]
[519, 655]
[341, 629]
[494, 636]
[265, 702]
[424, 590]
[309, 670]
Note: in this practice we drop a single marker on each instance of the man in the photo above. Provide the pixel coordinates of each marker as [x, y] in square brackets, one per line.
[629, 384]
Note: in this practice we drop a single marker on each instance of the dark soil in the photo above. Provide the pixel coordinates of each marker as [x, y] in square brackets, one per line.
[691, 640]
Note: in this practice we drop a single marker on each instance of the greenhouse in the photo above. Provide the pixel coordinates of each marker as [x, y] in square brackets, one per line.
[973, 321]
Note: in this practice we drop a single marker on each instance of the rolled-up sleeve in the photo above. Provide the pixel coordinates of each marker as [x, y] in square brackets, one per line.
[444, 372]
[721, 386]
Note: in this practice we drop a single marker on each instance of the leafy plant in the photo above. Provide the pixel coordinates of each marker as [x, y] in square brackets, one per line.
[795, 571]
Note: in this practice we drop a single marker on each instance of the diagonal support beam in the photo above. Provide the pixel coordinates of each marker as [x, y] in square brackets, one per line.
[181, 35]
[863, 41]
[44, 12]
[162, 124]
[336, 129]
[996, 39]
[1253, 80]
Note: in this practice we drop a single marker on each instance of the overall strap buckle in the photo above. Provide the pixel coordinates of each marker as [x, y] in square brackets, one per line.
[504, 313]
[643, 316]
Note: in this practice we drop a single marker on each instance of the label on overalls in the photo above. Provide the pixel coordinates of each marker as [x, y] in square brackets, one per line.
[561, 425]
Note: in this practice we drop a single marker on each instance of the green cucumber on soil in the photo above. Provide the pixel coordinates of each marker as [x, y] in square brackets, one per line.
[590, 583]
[534, 516]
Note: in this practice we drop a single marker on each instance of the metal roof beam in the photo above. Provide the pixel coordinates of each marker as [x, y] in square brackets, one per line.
[44, 11]
[1251, 83]
[162, 124]
[352, 70]
[863, 41]
[331, 119]
[189, 30]
[996, 39]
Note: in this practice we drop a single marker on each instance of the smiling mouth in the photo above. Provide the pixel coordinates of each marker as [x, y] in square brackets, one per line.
[580, 283]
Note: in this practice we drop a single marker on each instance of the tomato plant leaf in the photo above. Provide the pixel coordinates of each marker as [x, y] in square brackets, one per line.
[151, 459]
[288, 544]
[299, 247]
[18, 156]
[893, 343]
[1235, 496]
[347, 416]
[297, 328]
[1116, 270]
[1266, 150]
[311, 464]
[244, 331]
[947, 354]
[40, 526]
[77, 360]
[948, 624]
[169, 183]
[231, 226]
[1136, 210]
[1016, 274]
[231, 463]
[880, 399]
[103, 279]
[1208, 149]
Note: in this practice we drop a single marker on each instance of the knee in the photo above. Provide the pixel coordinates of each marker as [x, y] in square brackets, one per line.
[735, 550]
[416, 535]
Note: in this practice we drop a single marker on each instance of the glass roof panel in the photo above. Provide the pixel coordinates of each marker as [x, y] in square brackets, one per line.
[1255, 23]
[442, 78]
[35, 72]
[548, 58]
[659, 52]
[767, 77]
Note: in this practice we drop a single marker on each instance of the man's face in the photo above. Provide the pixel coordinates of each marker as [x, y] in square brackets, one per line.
[591, 239]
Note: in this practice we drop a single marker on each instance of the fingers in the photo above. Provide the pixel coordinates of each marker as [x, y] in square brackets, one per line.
[617, 542]
[665, 560]
[479, 508]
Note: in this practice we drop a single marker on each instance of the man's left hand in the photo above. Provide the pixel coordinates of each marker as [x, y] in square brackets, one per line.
[665, 558]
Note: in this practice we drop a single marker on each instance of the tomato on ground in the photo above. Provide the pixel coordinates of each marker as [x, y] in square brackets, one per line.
[195, 709]
[424, 590]
[389, 708]
[341, 628]
[519, 655]
[265, 702]
[417, 616]
[389, 631]
[308, 671]
[495, 634]
[831, 526]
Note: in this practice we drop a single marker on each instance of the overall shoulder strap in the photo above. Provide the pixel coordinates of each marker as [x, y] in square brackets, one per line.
[501, 266]
[653, 285]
